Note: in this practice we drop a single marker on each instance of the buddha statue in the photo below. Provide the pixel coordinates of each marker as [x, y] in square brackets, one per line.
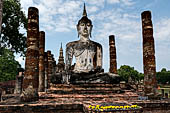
[88, 54]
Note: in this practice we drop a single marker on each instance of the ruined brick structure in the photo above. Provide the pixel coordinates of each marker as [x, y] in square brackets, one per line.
[150, 83]
[113, 62]
[41, 61]
[30, 82]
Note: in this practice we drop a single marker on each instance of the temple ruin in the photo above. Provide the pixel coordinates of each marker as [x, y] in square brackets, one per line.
[45, 86]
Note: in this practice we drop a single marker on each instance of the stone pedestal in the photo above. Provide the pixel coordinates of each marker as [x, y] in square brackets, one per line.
[113, 62]
[150, 83]
[31, 78]
[41, 61]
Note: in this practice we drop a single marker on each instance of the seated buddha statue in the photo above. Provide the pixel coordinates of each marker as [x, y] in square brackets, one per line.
[88, 54]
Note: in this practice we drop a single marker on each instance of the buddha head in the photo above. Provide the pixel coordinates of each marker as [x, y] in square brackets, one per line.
[84, 26]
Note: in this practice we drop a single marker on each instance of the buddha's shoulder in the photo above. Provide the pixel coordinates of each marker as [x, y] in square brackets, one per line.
[96, 43]
[70, 44]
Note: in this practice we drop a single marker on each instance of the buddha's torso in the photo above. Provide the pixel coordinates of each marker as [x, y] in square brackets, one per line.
[85, 54]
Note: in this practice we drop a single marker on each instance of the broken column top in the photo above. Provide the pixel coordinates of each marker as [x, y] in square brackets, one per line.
[111, 39]
[48, 52]
[146, 15]
[32, 9]
[33, 13]
[43, 34]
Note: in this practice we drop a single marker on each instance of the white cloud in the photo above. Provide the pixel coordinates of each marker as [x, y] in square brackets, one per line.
[125, 26]
[127, 2]
[93, 9]
[162, 30]
[113, 1]
[122, 2]
[98, 3]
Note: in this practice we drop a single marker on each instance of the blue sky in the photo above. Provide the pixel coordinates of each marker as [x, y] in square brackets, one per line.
[122, 18]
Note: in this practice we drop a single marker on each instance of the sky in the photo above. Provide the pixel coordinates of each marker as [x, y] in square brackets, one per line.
[122, 18]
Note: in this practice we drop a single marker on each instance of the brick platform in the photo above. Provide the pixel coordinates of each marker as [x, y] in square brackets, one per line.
[72, 101]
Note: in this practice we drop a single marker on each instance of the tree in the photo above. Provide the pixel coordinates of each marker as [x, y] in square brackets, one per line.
[13, 20]
[163, 76]
[126, 71]
[8, 66]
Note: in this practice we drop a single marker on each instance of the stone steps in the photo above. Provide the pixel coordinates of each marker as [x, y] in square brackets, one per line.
[93, 92]
[90, 97]
[84, 85]
[85, 89]
[88, 92]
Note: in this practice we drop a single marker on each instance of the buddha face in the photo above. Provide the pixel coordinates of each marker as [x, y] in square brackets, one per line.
[84, 29]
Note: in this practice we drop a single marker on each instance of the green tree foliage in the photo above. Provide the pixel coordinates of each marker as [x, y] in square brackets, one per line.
[126, 71]
[8, 66]
[163, 76]
[13, 20]
[1, 5]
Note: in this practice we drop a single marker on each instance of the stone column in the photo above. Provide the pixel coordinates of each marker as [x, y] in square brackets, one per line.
[150, 83]
[18, 84]
[54, 65]
[30, 81]
[113, 62]
[41, 61]
[46, 70]
[49, 67]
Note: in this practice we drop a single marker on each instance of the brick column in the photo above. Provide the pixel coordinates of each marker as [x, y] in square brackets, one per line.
[18, 84]
[150, 83]
[49, 67]
[46, 70]
[113, 62]
[30, 81]
[53, 65]
[41, 61]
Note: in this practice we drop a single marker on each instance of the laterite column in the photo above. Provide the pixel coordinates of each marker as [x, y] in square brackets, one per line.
[150, 83]
[113, 62]
[50, 66]
[41, 61]
[46, 70]
[30, 81]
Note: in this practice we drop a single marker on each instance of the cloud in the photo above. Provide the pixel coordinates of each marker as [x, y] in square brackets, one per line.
[98, 3]
[122, 25]
[128, 2]
[58, 15]
[162, 30]
[122, 2]
[113, 1]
